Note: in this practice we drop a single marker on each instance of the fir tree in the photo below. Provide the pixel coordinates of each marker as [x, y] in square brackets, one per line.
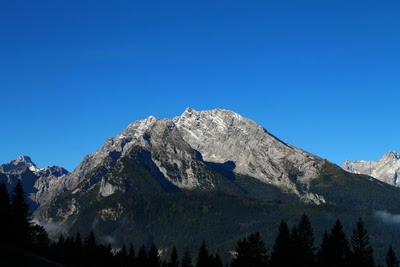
[142, 257]
[20, 222]
[391, 259]
[40, 239]
[362, 251]
[4, 212]
[323, 253]
[203, 257]
[242, 253]
[306, 241]
[131, 254]
[78, 242]
[334, 249]
[186, 260]
[90, 249]
[122, 256]
[174, 258]
[280, 254]
[294, 248]
[250, 252]
[153, 257]
[258, 251]
[217, 262]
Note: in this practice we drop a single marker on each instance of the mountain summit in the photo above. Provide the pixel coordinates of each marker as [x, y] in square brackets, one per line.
[224, 136]
[182, 149]
[386, 169]
[203, 174]
[38, 183]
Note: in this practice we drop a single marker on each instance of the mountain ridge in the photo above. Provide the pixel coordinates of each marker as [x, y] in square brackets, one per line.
[211, 175]
[37, 182]
[386, 169]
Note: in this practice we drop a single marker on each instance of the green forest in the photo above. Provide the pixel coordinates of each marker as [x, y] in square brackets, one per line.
[25, 243]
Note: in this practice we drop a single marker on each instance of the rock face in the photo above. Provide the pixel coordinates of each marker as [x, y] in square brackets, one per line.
[223, 136]
[219, 137]
[386, 169]
[202, 172]
[38, 183]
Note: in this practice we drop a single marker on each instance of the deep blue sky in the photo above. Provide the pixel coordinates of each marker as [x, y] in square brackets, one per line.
[321, 75]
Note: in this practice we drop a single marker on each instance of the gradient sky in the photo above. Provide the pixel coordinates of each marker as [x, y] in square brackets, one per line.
[321, 75]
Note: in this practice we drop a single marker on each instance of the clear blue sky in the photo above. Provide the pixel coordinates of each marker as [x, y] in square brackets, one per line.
[321, 75]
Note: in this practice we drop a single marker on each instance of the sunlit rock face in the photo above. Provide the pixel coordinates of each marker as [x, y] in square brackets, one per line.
[386, 169]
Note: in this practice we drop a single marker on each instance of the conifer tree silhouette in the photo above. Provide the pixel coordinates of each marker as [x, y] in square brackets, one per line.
[186, 259]
[153, 257]
[20, 222]
[362, 252]
[174, 258]
[334, 249]
[280, 254]
[391, 259]
[203, 257]
[4, 212]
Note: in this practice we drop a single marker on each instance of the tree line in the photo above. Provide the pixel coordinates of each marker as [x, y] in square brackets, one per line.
[292, 246]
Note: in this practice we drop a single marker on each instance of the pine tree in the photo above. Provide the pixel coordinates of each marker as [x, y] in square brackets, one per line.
[78, 242]
[362, 254]
[306, 241]
[242, 254]
[280, 254]
[339, 245]
[334, 250]
[174, 258]
[142, 257]
[20, 222]
[186, 260]
[250, 252]
[323, 253]
[90, 241]
[131, 254]
[122, 256]
[203, 257]
[153, 257]
[90, 249]
[40, 239]
[258, 251]
[391, 259]
[4, 212]
[217, 262]
[294, 248]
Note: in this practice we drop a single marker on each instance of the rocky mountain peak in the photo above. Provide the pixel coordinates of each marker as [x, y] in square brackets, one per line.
[24, 159]
[224, 136]
[21, 161]
[386, 169]
[392, 155]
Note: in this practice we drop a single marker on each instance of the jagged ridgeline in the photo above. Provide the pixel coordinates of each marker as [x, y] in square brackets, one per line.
[211, 175]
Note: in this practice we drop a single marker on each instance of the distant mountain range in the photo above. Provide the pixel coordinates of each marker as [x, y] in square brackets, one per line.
[211, 175]
[40, 184]
[386, 169]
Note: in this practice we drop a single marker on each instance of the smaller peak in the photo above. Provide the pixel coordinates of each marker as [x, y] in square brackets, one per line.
[189, 110]
[393, 154]
[150, 119]
[24, 159]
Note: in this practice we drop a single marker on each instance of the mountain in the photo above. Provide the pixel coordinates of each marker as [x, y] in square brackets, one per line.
[37, 182]
[211, 175]
[386, 169]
